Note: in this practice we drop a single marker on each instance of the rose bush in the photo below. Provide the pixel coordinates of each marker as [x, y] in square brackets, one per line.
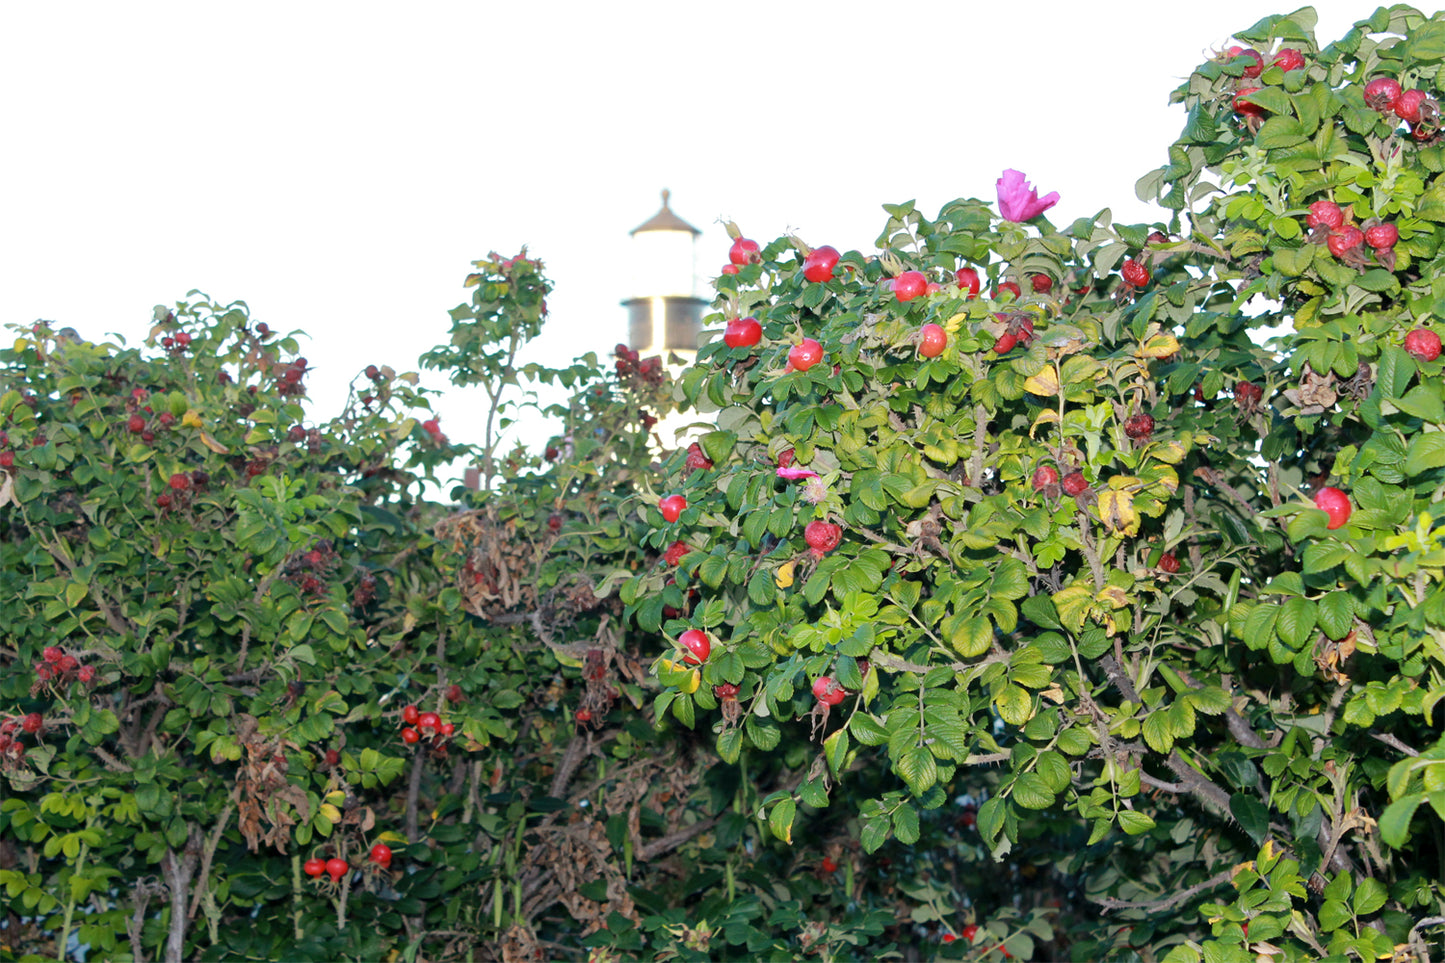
[1242, 736]
[992, 613]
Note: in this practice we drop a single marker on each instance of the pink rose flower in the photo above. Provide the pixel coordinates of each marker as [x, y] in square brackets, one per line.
[1018, 201]
[793, 474]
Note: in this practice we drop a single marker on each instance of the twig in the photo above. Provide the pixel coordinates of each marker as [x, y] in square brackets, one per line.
[413, 790]
[671, 841]
[1393, 743]
[1169, 902]
[1196, 783]
[577, 748]
[209, 854]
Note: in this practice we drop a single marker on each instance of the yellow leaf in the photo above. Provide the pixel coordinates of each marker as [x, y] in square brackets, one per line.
[214, 445]
[336, 797]
[331, 813]
[688, 683]
[954, 323]
[784, 575]
[1054, 694]
[1113, 596]
[1116, 511]
[1159, 346]
[1074, 605]
[191, 419]
[1048, 416]
[1172, 453]
[1045, 383]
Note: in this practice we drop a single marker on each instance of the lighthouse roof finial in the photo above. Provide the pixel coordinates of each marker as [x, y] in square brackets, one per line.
[665, 220]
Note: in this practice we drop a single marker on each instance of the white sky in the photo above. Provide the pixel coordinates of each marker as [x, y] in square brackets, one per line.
[338, 166]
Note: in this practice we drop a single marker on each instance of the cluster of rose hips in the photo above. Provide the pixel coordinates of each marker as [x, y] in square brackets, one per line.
[1414, 107]
[433, 428]
[138, 421]
[289, 384]
[631, 366]
[178, 343]
[309, 570]
[336, 867]
[1327, 223]
[1287, 59]
[12, 750]
[1248, 395]
[296, 434]
[181, 487]
[428, 725]
[1047, 482]
[61, 668]
[1019, 330]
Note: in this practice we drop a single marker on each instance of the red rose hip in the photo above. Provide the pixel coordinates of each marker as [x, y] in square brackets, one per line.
[672, 507]
[743, 252]
[1382, 237]
[803, 356]
[819, 264]
[1325, 214]
[697, 644]
[1336, 504]
[932, 339]
[742, 333]
[1347, 239]
[1382, 94]
[827, 691]
[968, 280]
[909, 285]
[822, 537]
[1423, 343]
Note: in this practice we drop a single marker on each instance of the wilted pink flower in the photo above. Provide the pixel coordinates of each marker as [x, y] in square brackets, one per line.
[1018, 201]
[793, 474]
[814, 491]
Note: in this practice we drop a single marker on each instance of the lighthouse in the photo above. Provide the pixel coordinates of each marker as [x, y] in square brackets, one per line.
[664, 314]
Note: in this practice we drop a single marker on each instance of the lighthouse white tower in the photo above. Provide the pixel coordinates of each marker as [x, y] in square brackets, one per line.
[664, 315]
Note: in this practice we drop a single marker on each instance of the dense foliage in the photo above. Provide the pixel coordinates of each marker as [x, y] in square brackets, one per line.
[1015, 581]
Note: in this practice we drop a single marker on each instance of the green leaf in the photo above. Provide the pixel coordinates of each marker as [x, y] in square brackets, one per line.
[1395, 820]
[1296, 622]
[718, 445]
[1369, 896]
[867, 730]
[1010, 580]
[918, 768]
[1336, 613]
[905, 824]
[1134, 823]
[874, 834]
[835, 748]
[1158, 730]
[1426, 451]
[1279, 131]
[1251, 814]
[1395, 371]
[1031, 792]
[970, 637]
[1259, 627]
[1423, 402]
[1039, 609]
[1014, 704]
[780, 819]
